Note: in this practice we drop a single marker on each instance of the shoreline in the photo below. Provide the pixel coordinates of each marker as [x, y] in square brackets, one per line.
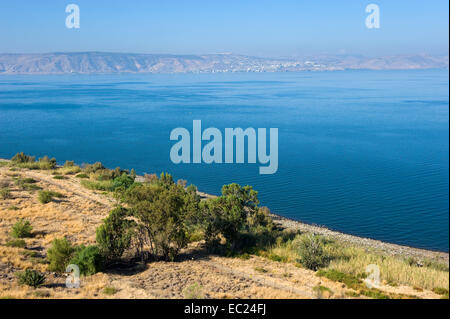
[386, 247]
[368, 243]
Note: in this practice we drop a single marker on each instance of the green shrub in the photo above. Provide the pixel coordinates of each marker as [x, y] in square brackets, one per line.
[349, 280]
[60, 254]
[27, 184]
[31, 278]
[47, 163]
[58, 177]
[27, 180]
[114, 235]
[69, 164]
[45, 197]
[88, 259]
[98, 185]
[235, 216]
[160, 210]
[82, 175]
[92, 168]
[124, 181]
[311, 251]
[110, 291]
[23, 158]
[21, 229]
[25, 161]
[194, 291]
[5, 193]
[19, 243]
[441, 291]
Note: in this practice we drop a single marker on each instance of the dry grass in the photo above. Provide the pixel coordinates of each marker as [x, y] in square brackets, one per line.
[81, 211]
[354, 260]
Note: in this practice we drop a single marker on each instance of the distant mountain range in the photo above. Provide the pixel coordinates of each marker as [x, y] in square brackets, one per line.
[104, 63]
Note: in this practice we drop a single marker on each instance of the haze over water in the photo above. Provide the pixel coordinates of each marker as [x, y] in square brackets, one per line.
[362, 152]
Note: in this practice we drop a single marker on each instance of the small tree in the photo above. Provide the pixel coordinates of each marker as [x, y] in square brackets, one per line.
[88, 259]
[160, 211]
[60, 254]
[114, 235]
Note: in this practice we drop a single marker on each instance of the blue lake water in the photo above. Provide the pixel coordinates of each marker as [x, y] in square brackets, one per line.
[362, 152]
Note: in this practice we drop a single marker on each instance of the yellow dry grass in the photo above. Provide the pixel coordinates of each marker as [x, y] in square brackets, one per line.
[81, 211]
[354, 260]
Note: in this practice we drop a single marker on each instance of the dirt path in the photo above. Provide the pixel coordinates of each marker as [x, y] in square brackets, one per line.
[81, 212]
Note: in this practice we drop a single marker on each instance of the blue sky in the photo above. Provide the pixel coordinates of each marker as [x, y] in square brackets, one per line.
[256, 27]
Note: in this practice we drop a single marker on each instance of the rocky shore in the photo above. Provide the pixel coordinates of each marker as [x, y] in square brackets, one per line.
[388, 248]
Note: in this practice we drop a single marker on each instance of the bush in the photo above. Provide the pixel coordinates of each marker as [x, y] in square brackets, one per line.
[19, 243]
[105, 186]
[194, 291]
[25, 161]
[311, 251]
[45, 197]
[58, 177]
[235, 216]
[114, 235]
[60, 254]
[31, 278]
[160, 210]
[21, 229]
[47, 163]
[27, 184]
[110, 291]
[82, 175]
[5, 193]
[124, 181]
[88, 259]
[69, 164]
[23, 158]
[92, 168]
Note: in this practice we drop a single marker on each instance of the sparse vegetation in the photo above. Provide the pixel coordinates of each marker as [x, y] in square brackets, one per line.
[323, 292]
[31, 278]
[5, 193]
[60, 254]
[28, 184]
[114, 235]
[312, 254]
[25, 161]
[88, 259]
[441, 291]
[110, 291]
[156, 218]
[45, 197]
[21, 229]
[261, 270]
[194, 291]
[19, 243]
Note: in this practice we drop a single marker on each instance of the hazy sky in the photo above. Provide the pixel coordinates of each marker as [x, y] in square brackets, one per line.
[256, 27]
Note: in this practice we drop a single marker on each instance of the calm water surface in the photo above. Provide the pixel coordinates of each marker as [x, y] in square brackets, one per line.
[361, 152]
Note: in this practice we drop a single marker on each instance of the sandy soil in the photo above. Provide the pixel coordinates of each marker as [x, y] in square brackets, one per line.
[79, 214]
